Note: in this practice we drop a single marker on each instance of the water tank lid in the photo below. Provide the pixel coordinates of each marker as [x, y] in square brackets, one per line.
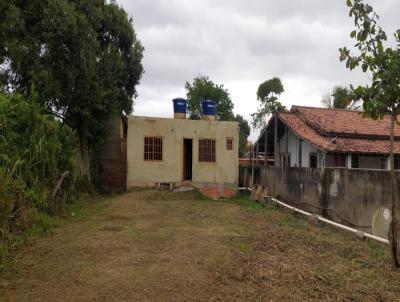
[179, 100]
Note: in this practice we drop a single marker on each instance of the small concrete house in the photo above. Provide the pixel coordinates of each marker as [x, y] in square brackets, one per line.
[200, 153]
[331, 138]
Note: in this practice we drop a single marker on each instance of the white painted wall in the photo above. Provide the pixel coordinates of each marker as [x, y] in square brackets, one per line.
[307, 148]
[365, 161]
[282, 143]
[293, 149]
[348, 161]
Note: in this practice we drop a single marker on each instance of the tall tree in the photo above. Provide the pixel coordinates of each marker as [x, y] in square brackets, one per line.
[268, 93]
[382, 97]
[340, 98]
[202, 88]
[244, 132]
[83, 57]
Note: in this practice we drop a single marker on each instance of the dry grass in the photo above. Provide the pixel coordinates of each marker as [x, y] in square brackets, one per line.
[295, 261]
[160, 246]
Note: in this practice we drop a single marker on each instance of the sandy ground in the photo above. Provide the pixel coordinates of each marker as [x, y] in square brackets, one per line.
[159, 246]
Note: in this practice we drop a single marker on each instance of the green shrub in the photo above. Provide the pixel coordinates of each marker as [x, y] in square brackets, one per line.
[35, 149]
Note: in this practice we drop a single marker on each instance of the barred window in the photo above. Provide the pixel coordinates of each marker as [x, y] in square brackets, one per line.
[153, 148]
[207, 150]
[229, 143]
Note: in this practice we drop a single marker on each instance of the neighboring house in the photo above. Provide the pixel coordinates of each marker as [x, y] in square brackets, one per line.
[202, 153]
[320, 137]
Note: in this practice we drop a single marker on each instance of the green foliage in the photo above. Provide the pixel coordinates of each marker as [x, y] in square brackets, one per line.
[202, 88]
[244, 132]
[382, 98]
[340, 98]
[268, 93]
[35, 149]
[243, 199]
[82, 56]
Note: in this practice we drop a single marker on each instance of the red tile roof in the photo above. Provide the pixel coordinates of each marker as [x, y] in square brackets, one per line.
[338, 130]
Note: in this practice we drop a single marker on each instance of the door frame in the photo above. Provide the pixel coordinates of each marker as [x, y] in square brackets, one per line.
[184, 176]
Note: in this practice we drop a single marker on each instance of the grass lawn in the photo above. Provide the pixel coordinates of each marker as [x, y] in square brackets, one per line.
[160, 246]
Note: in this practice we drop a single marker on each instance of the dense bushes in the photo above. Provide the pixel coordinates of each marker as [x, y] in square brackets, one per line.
[35, 149]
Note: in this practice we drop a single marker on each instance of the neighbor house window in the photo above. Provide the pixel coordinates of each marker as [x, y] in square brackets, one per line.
[285, 160]
[355, 161]
[340, 160]
[153, 148]
[207, 150]
[383, 163]
[313, 160]
[229, 143]
[397, 163]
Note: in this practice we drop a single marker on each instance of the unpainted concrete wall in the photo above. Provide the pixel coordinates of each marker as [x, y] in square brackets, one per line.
[348, 196]
[146, 173]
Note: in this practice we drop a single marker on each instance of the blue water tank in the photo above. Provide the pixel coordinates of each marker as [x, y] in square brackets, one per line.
[179, 105]
[208, 107]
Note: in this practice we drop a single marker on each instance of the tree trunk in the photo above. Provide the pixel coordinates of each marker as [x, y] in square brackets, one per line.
[394, 231]
[84, 150]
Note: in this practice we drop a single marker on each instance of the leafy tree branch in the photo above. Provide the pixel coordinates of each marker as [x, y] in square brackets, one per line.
[382, 97]
[267, 93]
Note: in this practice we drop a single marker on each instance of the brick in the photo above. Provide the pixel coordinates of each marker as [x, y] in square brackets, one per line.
[211, 192]
[215, 192]
[229, 193]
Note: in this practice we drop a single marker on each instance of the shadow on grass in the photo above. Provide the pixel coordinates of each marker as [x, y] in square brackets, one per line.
[44, 224]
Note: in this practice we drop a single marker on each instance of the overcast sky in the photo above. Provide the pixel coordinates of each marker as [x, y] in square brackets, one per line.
[241, 43]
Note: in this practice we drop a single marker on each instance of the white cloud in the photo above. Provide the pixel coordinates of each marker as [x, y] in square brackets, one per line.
[243, 43]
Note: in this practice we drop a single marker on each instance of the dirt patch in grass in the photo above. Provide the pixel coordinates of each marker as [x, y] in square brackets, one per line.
[162, 246]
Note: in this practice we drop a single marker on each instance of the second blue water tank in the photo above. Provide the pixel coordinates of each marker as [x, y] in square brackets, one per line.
[208, 107]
